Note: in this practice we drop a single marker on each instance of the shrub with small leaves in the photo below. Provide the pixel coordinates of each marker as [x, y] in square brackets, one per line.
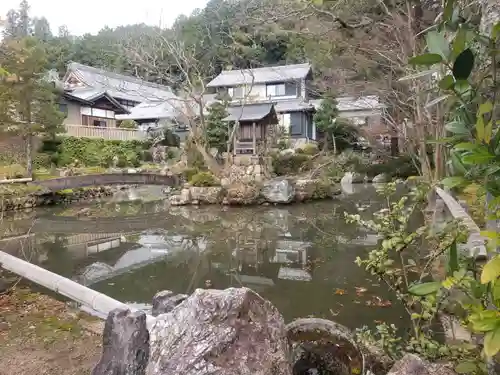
[204, 179]
[290, 164]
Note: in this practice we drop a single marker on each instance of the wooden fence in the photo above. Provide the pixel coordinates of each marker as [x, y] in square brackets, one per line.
[115, 134]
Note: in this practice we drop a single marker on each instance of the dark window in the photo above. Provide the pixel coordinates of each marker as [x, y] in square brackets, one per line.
[296, 120]
[63, 108]
[291, 89]
[100, 123]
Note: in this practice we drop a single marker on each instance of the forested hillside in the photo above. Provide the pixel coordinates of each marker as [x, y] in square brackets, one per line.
[338, 37]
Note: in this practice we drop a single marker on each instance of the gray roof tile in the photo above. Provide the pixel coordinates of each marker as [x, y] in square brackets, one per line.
[249, 112]
[120, 85]
[260, 75]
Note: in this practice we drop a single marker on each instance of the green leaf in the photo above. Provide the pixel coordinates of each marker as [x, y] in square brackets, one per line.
[456, 127]
[466, 367]
[495, 31]
[465, 146]
[437, 43]
[488, 132]
[485, 324]
[452, 182]
[478, 158]
[446, 82]
[424, 289]
[491, 270]
[459, 41]
[492, 342]
[480, 129]
[495, 292]
[426, 59]
[464, 63]
[485, 108]
[457, 165]
[448, 10]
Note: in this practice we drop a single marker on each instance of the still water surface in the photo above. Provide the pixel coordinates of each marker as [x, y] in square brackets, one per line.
[299, 257]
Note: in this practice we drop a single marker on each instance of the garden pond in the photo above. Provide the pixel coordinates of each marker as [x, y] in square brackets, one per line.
[300, 257]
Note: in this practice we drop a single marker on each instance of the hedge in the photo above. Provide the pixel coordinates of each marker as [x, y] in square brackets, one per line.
[91, 152]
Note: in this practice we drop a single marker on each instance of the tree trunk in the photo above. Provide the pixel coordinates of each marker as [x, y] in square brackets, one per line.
[334, 142]
[29, 155]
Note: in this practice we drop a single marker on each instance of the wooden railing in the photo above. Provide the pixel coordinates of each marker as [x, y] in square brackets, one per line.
[244, 148]
[115, 134]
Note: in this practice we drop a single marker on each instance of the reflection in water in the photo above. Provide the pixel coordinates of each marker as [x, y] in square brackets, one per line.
[299, 257]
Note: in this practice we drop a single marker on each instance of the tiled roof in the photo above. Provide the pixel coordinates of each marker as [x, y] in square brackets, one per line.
[351, 103]
[151, 110]
[120, 85]
[292, 105]
[261, 75]
[249, 112]
[89, 96]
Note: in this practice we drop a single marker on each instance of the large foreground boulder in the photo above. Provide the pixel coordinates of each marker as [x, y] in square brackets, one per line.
[278, 190]
[223, 332]
[165, 301]
[125, 344]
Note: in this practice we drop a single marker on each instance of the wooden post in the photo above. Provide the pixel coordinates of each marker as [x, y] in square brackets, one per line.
[235, 136]
[254, 142]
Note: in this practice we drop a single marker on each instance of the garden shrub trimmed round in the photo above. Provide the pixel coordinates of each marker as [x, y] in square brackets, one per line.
[204, 179]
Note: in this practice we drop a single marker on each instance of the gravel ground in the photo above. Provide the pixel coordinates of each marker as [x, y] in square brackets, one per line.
[42, 336]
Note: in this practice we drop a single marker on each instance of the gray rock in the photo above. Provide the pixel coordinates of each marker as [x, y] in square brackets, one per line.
[125, 344]
[223, 332]
[380, 178]
[165, 301]
[181, 199]
[278, 190]
[207, 195]
[411, 364]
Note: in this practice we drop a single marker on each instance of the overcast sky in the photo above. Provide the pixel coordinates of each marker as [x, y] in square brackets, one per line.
[89, 16]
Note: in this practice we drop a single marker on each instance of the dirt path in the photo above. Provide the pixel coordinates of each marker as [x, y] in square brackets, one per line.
[41, 336]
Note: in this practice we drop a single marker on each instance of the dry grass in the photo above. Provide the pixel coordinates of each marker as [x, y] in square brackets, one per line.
[42, 336]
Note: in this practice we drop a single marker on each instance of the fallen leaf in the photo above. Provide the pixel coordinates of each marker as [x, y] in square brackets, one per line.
[340, 292]
[334, 313]
[360, 291]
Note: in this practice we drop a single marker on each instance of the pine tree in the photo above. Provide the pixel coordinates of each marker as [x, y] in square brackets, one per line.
[341, 132]
[216, 128]
[28, 101]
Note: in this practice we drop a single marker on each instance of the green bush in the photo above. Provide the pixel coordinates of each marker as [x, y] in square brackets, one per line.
[128, 124]
[92, 152]
[204, 179]
[290, 164]
[170, 139]
[188, 173]
[308, 149]
[395, 167]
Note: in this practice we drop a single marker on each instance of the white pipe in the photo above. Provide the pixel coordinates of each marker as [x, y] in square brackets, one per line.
[90, 299]
[15, 181]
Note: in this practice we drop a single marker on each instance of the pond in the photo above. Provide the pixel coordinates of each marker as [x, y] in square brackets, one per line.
[300, 257]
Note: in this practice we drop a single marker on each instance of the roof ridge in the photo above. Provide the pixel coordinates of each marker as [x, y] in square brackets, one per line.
[80, 66]
[269, 67]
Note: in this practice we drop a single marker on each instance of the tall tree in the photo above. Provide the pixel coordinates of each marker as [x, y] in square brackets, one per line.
[24, 22]
[217, 128]
[41, 29]
[339, 131]
[11, 24]
[28, 101]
